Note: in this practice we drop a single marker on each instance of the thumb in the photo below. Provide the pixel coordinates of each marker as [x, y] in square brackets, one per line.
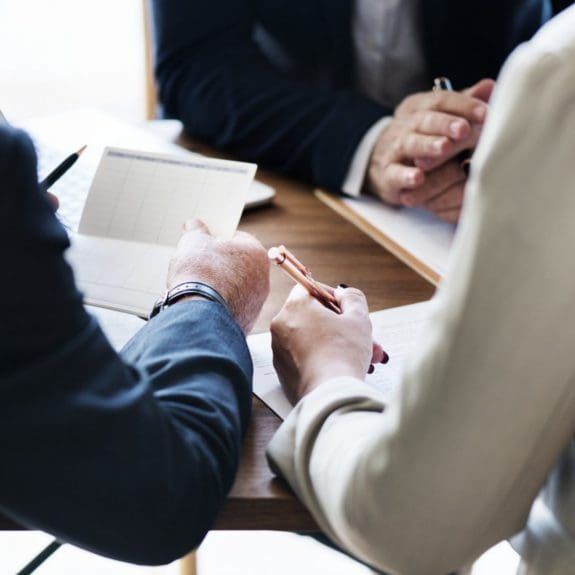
[351, 299]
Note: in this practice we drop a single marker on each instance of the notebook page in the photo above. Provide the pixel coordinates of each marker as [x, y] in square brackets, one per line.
[118, 274]
[133, 218]
[146, 197]
[397, 329]
[419, 232]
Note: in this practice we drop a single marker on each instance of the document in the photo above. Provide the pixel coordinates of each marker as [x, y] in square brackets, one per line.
[133, 218]
[396, 329]
[58, 135]
[415, 236]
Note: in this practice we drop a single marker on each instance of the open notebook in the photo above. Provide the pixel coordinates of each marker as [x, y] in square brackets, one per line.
[132, 219]
[58, 135]
[397, 329]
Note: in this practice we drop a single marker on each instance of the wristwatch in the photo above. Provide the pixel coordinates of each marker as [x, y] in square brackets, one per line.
[184, 289]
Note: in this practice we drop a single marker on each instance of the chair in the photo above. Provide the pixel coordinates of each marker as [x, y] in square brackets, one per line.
[150, 84]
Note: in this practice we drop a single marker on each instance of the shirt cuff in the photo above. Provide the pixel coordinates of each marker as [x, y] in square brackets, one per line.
[356, 174]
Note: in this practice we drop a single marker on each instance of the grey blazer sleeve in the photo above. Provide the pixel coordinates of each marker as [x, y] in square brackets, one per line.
[487, 405]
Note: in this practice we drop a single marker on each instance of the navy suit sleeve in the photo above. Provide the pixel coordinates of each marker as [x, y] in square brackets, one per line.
[213, 77]
[129, 456]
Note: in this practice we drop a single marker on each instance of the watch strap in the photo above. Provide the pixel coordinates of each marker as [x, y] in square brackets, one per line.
[185, 289]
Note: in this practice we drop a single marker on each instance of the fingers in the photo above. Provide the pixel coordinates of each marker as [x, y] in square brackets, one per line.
[378, 355]
[416, 145]
[54, 201]
[449, 177]
[395, 177]
[482, 90]
[436, 123]
[351, 300]
[459, 104]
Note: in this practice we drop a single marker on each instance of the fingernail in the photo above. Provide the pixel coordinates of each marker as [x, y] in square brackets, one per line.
[456, 128]
[407, 199]
[479, 113]
[410, 180]
[438, 146]
[371, 368]
[342, 286]
[385, 358]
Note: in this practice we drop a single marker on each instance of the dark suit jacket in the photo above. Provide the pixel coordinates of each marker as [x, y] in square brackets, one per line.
[129, 456]
[272, 80]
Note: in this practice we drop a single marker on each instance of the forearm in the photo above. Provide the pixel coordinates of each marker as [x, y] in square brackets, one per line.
[486, 404]
[150, 448]
[216, 80]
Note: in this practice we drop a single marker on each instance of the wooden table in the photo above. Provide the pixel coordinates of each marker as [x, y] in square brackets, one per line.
[337, 252]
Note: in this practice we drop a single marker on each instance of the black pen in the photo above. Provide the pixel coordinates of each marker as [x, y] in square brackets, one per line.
[464, 157]
[61, 169]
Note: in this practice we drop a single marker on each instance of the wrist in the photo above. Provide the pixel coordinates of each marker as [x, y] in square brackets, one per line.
[186, 290]
[316, 375]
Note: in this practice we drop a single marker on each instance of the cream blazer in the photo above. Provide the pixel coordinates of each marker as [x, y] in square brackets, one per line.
[486, 414]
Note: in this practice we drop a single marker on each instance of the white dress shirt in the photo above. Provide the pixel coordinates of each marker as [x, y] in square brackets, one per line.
[485, 419]
[389, 65]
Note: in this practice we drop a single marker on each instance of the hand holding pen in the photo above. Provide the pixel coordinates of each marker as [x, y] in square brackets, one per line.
[412, 163]
[282, 257]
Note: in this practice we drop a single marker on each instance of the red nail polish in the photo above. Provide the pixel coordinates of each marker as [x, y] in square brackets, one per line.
[385, 358]
[371, 368]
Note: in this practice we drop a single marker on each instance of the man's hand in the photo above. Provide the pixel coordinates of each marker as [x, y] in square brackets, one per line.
[238, 269]
[414, 162]
[312, 344]
[54, 201]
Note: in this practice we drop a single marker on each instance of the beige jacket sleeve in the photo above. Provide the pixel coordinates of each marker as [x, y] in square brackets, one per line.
[487, 403]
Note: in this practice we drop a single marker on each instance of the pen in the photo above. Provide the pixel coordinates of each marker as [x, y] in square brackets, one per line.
[282, 257]
[444, 83]
[61, 169]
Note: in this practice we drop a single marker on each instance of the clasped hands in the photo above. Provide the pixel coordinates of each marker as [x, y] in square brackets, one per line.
[415, 163]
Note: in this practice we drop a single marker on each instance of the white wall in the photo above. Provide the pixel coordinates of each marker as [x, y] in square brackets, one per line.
[61, 54]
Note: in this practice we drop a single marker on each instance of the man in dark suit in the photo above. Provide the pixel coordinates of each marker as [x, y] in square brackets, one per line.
[129, 456]
[310, 87]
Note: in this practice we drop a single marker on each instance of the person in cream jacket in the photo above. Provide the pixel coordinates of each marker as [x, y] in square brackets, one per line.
[478, 445]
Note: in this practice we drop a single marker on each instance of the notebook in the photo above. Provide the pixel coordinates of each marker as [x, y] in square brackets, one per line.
[133, 217]
[58, 135]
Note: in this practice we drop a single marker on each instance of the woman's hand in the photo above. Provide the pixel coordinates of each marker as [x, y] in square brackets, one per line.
[312, 344]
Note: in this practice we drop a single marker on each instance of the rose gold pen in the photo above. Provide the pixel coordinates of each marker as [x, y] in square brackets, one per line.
[281, 256]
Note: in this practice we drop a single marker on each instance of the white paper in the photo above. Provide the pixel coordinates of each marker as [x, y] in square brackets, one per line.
[57, 136]
[396, 329]
[419, 232]
[133, 218]
[146, 197]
